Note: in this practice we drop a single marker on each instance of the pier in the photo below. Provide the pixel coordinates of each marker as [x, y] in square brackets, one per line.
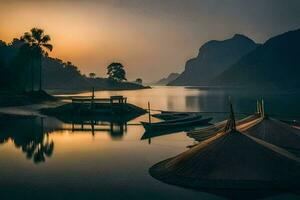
[114, 108]
[114, 103]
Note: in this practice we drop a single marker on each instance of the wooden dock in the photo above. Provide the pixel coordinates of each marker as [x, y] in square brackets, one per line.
[95, 105]
[114, 109]
[91, 101]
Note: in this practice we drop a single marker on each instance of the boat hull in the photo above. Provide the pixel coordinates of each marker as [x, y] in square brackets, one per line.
[170, 126]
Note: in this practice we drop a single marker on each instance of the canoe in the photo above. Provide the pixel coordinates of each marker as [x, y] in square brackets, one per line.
[156, 133]
[170, 116]
[169, 125]
[180, 119]
[177, 112]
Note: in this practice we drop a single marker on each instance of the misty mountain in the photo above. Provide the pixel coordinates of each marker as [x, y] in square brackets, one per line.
[165, 81]
[214, 58]
[274, 64]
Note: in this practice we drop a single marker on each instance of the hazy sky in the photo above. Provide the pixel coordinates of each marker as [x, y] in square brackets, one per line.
[150, 37]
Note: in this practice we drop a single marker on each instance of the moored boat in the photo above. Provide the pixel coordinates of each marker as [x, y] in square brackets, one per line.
[173, 124]
[170, 116]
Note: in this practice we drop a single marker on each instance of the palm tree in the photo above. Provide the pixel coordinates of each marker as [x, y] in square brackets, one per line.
[39, 43]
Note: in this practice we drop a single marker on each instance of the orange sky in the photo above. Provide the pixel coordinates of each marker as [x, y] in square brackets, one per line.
[93, 37]
[150, 39]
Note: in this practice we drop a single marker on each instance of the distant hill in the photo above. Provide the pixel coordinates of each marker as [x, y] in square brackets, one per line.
[274, 64]
[61, 76]
[165, 81]
[214, 57]
[15, 73]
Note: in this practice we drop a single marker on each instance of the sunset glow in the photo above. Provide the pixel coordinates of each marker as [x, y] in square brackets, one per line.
[149, 99]
[150, 41]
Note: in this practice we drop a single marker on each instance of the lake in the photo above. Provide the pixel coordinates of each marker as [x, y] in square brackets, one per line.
[49, 159]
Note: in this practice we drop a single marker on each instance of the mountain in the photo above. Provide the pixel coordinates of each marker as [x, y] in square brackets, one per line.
[214, 57]
[274, 64]
[165, 81]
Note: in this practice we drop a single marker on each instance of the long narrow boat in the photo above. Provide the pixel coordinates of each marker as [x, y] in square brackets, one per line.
[180, 119]
[174, 112]
[173, 124]
[170, 116]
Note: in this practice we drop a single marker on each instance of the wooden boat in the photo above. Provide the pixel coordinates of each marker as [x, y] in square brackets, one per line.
[170, 116]
[156, 133]
[175, 112]
[186, 118]
[174, 124]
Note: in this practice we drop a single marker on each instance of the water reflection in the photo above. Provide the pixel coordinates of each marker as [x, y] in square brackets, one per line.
[29, 135]
[32, 134]
[115, 129]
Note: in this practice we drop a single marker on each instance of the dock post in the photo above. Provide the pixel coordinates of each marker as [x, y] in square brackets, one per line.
[149, 112]
[93, 127]
[93, 97]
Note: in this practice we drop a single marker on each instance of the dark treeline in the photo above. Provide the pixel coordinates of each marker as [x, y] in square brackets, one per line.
[13, 59]
[21, 61]
[22, 70]
[16, 70]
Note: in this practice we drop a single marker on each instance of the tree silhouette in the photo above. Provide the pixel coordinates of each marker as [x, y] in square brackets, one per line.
[39, 43]
[115, 71]
[19, 64]
[139, 81]
[72, 69]
[28, 135]
[23, 68]
[92, 75]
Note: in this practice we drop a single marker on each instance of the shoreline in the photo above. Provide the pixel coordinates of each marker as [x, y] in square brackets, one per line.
[28, 110]
[13, 103]
[10, 98]
[30, 104]
[62, 92]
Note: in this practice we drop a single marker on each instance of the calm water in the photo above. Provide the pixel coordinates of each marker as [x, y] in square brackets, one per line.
[45, 158]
